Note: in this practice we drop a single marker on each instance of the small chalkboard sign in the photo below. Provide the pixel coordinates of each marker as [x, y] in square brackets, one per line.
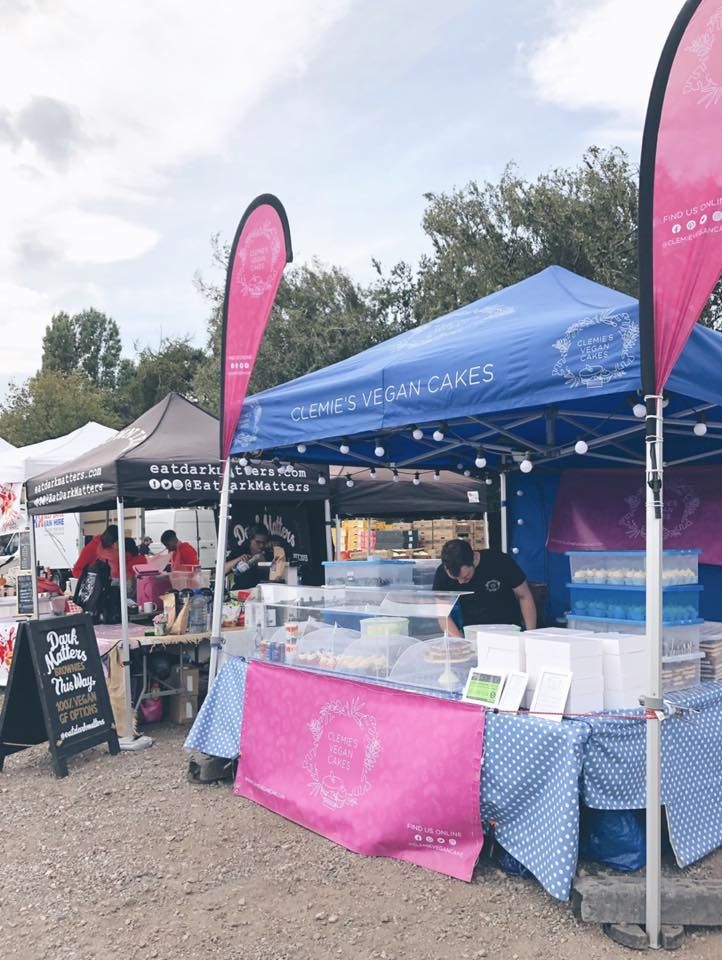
[57, 692]
[26, 562]
[24, 584]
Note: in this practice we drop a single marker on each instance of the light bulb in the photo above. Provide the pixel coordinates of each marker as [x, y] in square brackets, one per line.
[467, 473]
[515, 550]
[243, 461]
[301, 448]
[379, 450]
[349, 482]
[581, 447]
[372, 473]
[437, 475]
[417, 479]
[480, 460]
[639, 410]
[526, 466]
[520, 493]
[321, 480]
[520, 522]
[438, 434]
[488, 481]
[418, 434]
[344, 448]
[665, 402]
[700, 428]
[396, 476]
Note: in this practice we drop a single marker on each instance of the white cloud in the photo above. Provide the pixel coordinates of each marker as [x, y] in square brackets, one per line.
[602, 56]
[101, 103]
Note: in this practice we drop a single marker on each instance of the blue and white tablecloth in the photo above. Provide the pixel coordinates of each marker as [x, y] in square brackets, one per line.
[613, 777]
[533, 771]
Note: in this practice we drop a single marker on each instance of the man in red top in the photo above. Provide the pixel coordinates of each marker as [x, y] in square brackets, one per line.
[102, 547]
[182, 554]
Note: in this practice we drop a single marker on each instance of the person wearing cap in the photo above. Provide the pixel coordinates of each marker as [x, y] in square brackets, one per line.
[102, 547]
[144, 548]
[182, 553]
[495, 587]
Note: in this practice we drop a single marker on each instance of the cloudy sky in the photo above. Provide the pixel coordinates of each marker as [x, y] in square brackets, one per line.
[130, 133]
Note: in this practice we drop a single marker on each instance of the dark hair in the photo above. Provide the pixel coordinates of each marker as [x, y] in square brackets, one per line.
[168, 535]
[455, 555]
[109, 536]
[131, 547]
[257, 530]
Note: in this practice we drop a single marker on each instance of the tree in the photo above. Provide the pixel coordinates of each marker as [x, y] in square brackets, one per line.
[320, 316]
[51, 404]
[487, 236]
[88, 341]
[170, 368]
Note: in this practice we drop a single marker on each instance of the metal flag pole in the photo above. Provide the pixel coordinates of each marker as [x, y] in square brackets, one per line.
[328, 525]
[126, 739]
[503, 513]
[653, 700]
[219, 587]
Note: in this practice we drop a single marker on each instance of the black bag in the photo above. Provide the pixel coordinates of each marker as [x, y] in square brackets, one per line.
[96, 594]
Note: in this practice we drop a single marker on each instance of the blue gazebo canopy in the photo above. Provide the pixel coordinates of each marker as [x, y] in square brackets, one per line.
[528, 370]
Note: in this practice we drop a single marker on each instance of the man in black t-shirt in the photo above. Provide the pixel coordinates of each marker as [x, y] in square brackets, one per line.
[499, 590]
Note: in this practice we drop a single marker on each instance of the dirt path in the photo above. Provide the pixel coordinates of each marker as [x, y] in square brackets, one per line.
[124, 859]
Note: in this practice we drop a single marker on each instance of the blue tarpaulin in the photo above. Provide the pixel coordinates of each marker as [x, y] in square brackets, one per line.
[527, 370]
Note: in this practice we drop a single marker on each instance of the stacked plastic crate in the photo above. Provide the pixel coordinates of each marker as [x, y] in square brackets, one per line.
[608, 596]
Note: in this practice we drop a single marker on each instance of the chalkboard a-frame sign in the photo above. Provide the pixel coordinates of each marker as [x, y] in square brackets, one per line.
[57, 692]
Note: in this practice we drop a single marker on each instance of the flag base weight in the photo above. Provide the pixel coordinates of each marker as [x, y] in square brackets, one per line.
[134, 744]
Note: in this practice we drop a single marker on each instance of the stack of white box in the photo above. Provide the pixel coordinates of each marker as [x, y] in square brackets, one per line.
[503, 652]
[579, 653]
[625, 669]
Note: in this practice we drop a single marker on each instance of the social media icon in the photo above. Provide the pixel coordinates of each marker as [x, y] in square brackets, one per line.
[717, 216]
[691, 224]
[676, 228]
[418, 837]
[703, 219]
[440, 840]
[452, 842]
[429, 839]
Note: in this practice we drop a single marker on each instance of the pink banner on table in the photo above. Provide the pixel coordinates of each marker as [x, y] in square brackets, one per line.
[605, 510]
[687, 204]
[380, 771]
[260, 251]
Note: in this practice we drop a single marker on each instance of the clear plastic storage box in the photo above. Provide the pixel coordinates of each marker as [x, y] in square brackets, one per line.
[606, 601]
[678, 640]
[350, 631]
[627, 567]
[369, 573]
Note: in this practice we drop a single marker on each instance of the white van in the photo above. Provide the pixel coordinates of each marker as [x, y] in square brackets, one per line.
[194, 525]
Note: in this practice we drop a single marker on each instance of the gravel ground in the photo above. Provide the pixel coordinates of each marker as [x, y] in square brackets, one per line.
[125, 858]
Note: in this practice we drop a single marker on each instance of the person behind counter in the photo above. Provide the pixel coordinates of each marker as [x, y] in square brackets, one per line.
[244, 560]
[182, 553]
[499, 592]
[144, 548]
[102, 547]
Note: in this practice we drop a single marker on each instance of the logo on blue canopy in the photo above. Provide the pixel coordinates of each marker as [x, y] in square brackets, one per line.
[596, 350]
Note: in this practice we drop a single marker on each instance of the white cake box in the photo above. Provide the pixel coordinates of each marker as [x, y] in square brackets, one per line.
[501, 651]
[626, 699]
[623, 644]
[586, 696]
[581, 655]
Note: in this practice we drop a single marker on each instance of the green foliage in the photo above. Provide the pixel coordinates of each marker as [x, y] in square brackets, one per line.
[320, 316]
[88, 342]
[53, 403]
[170, 368]
[488, 236]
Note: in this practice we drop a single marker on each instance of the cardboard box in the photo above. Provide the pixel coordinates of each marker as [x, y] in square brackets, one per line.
[183, 708]
[187, 681]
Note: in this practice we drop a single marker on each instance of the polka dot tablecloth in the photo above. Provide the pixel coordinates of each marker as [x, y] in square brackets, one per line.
[613, 777]
[534, 770]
